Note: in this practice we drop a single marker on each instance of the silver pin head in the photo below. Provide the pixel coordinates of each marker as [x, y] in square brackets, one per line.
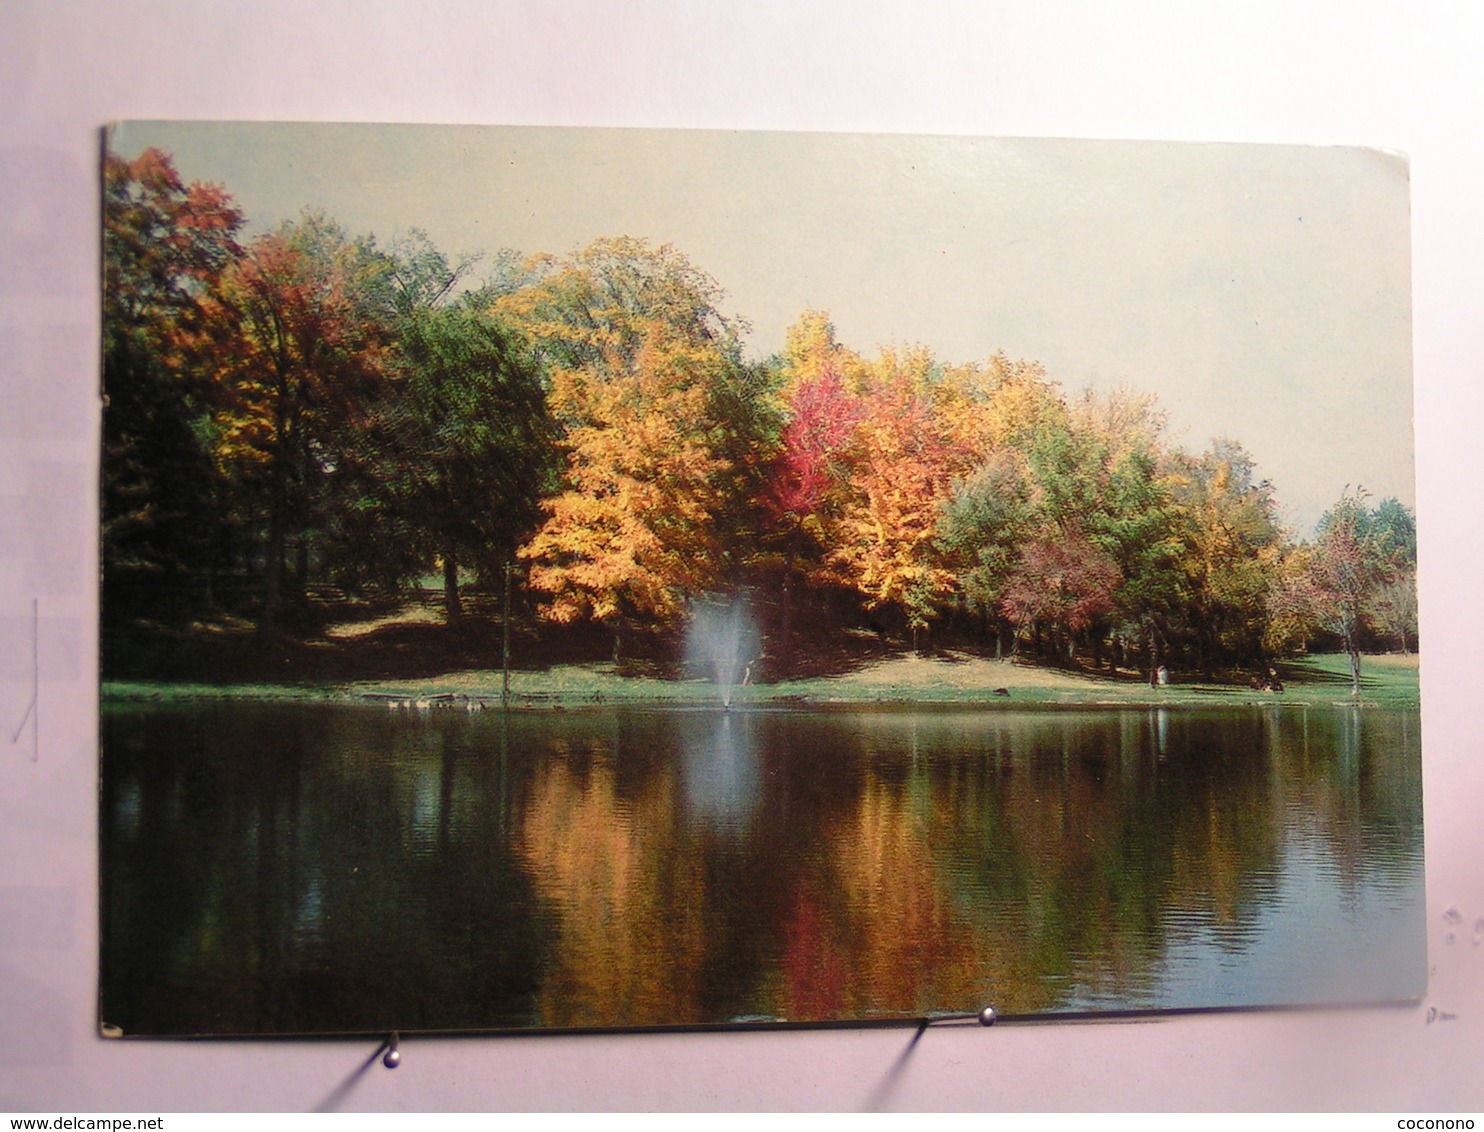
[987, 1016]
[393, 1058]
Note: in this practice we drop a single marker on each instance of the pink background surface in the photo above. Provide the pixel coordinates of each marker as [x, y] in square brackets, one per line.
[1402, 77]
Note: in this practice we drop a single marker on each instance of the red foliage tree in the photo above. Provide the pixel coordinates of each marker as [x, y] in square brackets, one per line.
[165, 245]
[1062, 583]
[823, 418]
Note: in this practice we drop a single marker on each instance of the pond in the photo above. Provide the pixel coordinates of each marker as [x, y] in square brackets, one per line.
[294, 869]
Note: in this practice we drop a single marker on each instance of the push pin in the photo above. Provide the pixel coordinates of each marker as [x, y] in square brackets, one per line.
[393, 1056]
[986, 1017]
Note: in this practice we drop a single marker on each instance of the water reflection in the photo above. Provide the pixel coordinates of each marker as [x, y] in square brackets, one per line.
[624, 900]
[285, 869]
[721, 771]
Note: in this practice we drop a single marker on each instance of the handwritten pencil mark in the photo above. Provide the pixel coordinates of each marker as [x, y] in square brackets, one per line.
[32, 714]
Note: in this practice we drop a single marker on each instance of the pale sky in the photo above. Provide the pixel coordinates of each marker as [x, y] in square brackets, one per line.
[1261, 292]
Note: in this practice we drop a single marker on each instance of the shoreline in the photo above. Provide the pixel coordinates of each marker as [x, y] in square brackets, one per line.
[904, 682]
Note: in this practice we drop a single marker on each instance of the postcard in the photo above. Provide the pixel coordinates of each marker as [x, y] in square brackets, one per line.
[562, 579]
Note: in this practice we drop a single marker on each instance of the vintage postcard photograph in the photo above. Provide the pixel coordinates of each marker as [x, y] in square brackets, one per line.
[584, 579]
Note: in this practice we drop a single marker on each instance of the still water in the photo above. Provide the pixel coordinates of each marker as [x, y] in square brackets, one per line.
[275, 869]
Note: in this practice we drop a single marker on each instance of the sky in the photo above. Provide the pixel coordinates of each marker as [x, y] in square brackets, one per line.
[1261, 292]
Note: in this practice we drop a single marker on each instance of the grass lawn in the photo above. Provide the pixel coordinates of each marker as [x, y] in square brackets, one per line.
[1386, 679]
[949, 678]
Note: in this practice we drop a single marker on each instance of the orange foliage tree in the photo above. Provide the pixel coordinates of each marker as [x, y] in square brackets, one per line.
[901, 467]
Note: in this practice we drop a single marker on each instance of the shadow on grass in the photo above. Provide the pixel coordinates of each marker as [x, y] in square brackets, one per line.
[347, 642]
[819, 655]
[1379, 675]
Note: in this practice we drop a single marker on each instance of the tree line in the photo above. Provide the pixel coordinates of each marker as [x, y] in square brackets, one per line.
[309, 409]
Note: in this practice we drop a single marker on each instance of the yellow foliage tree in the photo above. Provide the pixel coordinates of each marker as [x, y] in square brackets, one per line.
[630, 533]
[1232, 545]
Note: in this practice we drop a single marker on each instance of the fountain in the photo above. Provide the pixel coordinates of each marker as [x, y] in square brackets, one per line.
[722, 642]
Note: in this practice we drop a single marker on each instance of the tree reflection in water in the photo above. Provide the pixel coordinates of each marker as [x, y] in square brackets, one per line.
[284, 870]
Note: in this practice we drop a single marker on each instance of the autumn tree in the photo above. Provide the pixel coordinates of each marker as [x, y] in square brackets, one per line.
[1393, 606]
[1062, 583]
[1358, 576]
[805, 477]
[165, 246]
[630, 534]
[1290, 602]
[1021, 402]
[664, 431]
[987, 520]
[822, 418]
[595, 311]
[295, 371]
[1231, 544]
[1033, 532]
[1393, 610]
[1358, 554]
[990, 414]
[1134, 519]
[596, 308]
[900, 469]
